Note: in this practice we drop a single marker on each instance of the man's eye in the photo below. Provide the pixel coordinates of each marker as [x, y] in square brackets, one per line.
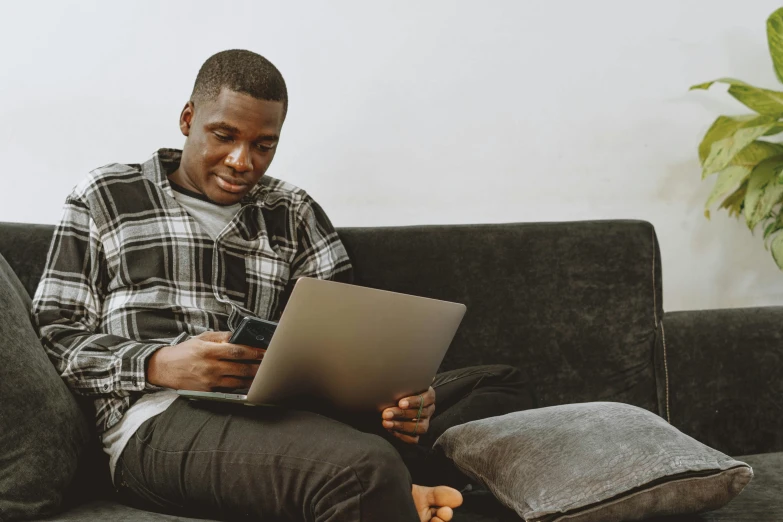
[264, 148]
[222, 137]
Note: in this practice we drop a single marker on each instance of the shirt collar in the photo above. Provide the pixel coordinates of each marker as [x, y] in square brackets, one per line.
[165, 161]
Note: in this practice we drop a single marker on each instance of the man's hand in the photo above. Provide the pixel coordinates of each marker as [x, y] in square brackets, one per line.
[206, 362]
[402, 420]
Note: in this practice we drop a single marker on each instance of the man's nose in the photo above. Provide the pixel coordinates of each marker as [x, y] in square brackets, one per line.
[239, 158]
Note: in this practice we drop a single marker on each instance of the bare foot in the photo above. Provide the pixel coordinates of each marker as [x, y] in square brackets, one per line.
[435, 504]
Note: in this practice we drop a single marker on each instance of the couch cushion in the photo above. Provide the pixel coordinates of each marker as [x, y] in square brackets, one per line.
[42, 430]
[761, 501]
[25, 246]
[722, 369]
[593, 462]
[573, 305]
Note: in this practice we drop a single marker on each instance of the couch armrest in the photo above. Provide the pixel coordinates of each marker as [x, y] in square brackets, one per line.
[721, 377]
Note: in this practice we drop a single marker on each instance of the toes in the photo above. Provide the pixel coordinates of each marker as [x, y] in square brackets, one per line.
[444, 496]
[436, 504]
[428, 515]
[444, 514]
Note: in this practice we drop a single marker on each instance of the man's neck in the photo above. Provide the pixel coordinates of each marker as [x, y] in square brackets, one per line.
[180, 178]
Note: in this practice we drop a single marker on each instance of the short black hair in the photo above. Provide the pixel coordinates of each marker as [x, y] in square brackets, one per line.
[240, 71]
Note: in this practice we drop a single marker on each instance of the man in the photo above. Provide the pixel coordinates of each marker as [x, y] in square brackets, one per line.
[151, 267]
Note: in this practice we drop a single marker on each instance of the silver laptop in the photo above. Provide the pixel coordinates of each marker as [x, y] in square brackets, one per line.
[350, 347]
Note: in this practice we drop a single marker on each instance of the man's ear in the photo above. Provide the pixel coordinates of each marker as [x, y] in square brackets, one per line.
[186, 118]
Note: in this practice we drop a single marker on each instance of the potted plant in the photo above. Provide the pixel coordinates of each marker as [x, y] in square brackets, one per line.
[737, 148]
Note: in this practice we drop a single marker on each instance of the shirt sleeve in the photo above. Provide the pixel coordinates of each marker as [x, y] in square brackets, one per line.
[319, 252]
[67, 310]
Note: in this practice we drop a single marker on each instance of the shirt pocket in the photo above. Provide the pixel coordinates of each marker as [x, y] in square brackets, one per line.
[267, 273]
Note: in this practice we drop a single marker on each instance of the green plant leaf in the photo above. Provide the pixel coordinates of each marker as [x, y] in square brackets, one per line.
[736, 200]
[774, 225]
[775, 40]
[755, 153]
[764, 191]
[723, 150]
[707, 85]
[777, 250]
[722, 127]
[763, 101]
[728, 180]
[776, 129]
[769, 229]
[740, 168]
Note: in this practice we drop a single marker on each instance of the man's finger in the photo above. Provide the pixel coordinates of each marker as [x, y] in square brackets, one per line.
[427, 397]
[405, 438]
[412, 413]
[408, 428]
[215, 337]
[232, 383]
[237, 369]
[228, 351]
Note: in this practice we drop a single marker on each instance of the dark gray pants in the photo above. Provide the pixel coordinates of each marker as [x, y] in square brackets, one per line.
[234, 462]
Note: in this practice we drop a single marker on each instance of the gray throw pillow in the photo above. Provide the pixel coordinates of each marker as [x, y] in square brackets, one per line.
[42, 429]
[596, 461]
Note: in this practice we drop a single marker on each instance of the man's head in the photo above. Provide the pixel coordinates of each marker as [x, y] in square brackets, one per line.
[232, 124]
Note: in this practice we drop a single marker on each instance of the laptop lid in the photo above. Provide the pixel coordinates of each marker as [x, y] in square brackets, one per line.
[354, 348]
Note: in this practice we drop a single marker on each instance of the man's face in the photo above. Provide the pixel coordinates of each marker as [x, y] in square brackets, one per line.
[230, 143]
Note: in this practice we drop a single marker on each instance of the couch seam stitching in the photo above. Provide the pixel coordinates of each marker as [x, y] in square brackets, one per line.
[655, 298]
[665, 373]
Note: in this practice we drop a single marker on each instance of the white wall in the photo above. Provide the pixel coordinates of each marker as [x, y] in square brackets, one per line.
[415, 112]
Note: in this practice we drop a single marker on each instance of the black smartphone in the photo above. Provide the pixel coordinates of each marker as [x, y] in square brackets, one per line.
[254, 332]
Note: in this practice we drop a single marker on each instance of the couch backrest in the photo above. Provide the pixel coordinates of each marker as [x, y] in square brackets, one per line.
[574, 305]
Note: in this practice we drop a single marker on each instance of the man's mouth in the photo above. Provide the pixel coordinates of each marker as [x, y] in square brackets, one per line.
[233, 186]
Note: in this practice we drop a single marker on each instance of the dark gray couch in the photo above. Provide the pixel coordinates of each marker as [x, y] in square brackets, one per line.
[576, 306]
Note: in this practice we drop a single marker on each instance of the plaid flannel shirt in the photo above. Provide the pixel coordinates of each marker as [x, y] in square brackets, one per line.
[130, 271]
